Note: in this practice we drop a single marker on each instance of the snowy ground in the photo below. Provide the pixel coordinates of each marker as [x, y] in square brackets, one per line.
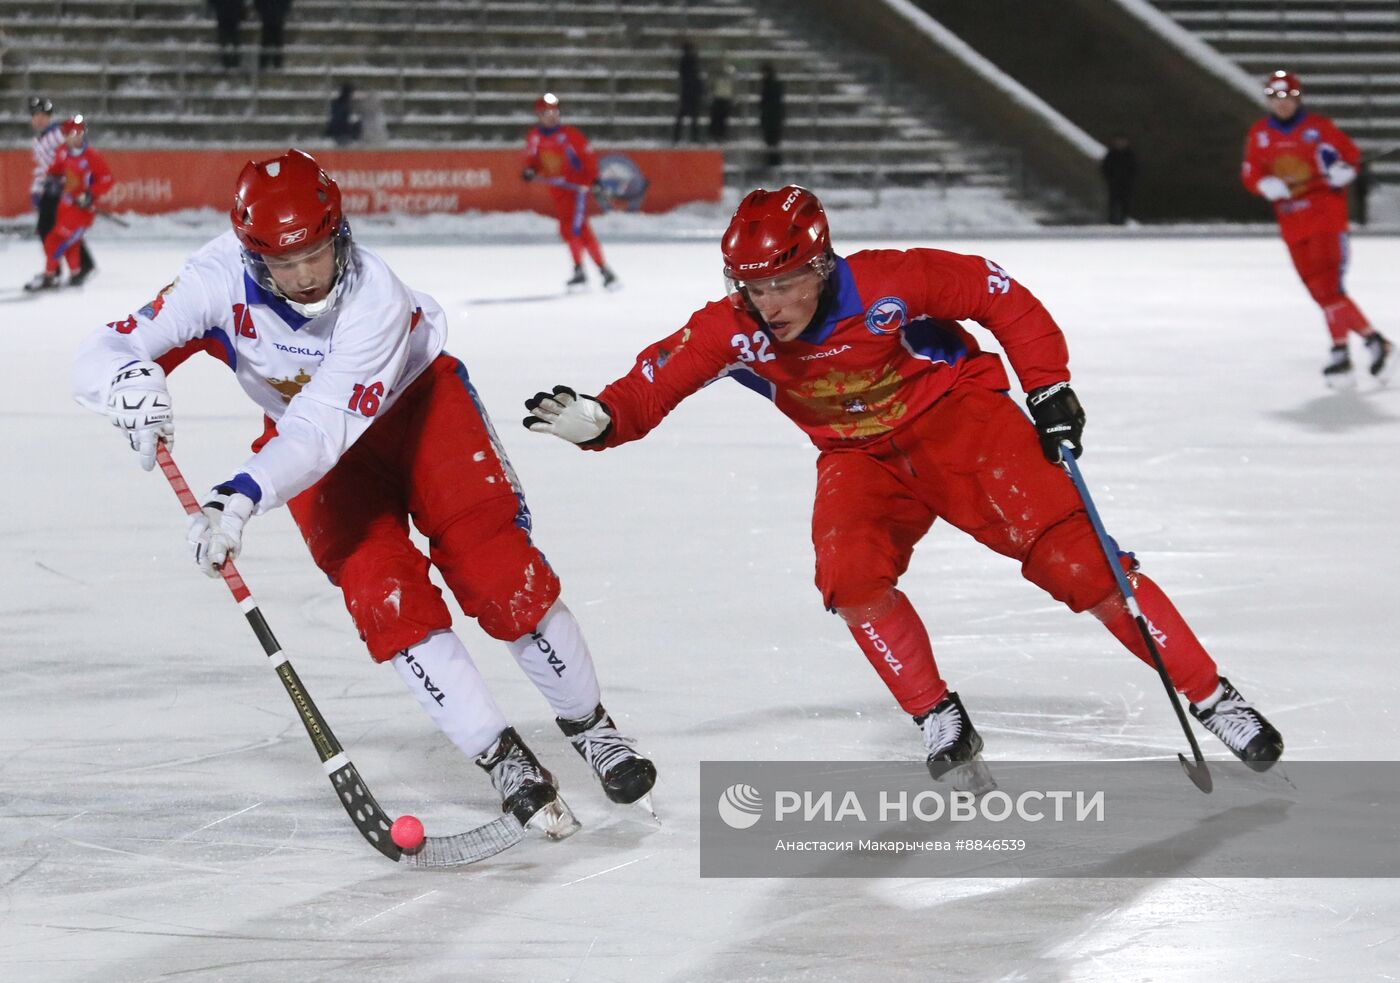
[162, 814]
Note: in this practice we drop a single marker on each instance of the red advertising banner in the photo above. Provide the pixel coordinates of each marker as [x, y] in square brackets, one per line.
[412, 182]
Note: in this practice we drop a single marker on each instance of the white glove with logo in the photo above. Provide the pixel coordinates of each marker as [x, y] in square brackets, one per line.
[216, 531]
[566, 414]
[1340, 174]
[1273, 188]
[139, 405]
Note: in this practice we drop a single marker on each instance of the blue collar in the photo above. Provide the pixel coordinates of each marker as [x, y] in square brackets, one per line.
[257, 294]
[847, 303]
[1287, 125]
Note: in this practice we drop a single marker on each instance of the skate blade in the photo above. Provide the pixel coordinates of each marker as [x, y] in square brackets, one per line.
[575, 288]
[971, 776]
[555, 819]
[613, 287]
[644, 804]
[1340, 383]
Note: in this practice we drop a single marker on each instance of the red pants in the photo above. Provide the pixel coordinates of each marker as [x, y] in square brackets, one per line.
[571, 208]
[974, 460]
[432, 458]
[65, 239]
[1321, 261]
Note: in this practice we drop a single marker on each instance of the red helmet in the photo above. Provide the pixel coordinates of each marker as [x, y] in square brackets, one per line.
[774, 232]
[285, 204]
[547, 101]
[74, 124]
[1282, 85]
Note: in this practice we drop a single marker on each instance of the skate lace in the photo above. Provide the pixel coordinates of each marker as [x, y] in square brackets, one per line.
[1235, 722]
[511, 773]
[603, 747]
[942, 729]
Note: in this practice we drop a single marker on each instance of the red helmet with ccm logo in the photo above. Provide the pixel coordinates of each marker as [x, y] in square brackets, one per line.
[775, 232]
[1282, 85]
[547, 101]
[285, 204]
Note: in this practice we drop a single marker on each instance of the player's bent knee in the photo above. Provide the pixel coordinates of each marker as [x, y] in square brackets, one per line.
[392, 602]
[860, 579]
[1068, 563]
[513, 606]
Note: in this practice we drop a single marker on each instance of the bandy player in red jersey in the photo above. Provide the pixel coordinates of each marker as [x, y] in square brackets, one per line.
[913, 423]
[560, 156]
[368, 424]
[1302, 162]
[85, 178]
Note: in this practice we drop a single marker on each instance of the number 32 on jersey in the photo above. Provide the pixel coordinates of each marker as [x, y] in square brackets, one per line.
[753, 348]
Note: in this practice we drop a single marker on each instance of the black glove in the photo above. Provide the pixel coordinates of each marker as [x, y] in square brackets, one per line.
[84, 200]
[1058, 416]
[528, 174]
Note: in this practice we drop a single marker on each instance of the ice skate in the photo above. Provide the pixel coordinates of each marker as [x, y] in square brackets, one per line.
[610, 280]
[625, 775]
[954, 747]
[1337, 372]
[42, 281]
[1242, 728]
[81, 277]
[578, 281]
[1382, 356]
[528, 791]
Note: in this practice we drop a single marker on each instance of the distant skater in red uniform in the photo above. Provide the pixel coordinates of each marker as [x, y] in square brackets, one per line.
[559, 156]
[1302, 162]
[913, 423]
[85, 178]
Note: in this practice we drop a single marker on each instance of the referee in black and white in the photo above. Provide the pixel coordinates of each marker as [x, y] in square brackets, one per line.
[44, 191]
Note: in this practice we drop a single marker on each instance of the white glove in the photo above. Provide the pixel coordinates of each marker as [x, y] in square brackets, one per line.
[216, 531]
[1340, 174]
[139, 405]
[1274, 188]
[566, 414]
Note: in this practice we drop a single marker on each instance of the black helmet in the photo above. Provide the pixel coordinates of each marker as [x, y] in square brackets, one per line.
[40, 104]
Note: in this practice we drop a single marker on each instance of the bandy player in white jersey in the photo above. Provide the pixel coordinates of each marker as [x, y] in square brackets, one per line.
[368, 424]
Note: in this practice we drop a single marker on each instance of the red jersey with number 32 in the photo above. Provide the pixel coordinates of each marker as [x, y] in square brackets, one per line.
[887, 348]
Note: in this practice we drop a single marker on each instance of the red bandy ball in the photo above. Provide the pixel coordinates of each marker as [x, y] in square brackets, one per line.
[407, 833]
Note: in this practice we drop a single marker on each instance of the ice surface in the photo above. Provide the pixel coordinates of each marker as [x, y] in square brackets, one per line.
[162, 815]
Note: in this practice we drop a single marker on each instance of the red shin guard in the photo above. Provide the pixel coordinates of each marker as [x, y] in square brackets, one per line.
[1191, 669]
[894, 640]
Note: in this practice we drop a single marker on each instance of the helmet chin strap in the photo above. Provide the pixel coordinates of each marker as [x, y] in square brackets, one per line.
[316, 308]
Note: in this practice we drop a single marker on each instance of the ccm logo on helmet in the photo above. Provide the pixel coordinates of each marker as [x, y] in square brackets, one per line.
[793, 196]
[291, 238]
[753, 266]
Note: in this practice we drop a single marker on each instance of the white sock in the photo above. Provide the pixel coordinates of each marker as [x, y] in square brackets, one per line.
[442, 677]
[556, 658]
[1213, 699]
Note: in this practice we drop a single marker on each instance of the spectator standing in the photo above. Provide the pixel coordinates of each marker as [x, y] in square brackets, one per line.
[274, 21]
[772, 110]
[44, 191]
[1119, 167]
[692, 91]
[344, 124]
[228, 17]
[721, 102]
